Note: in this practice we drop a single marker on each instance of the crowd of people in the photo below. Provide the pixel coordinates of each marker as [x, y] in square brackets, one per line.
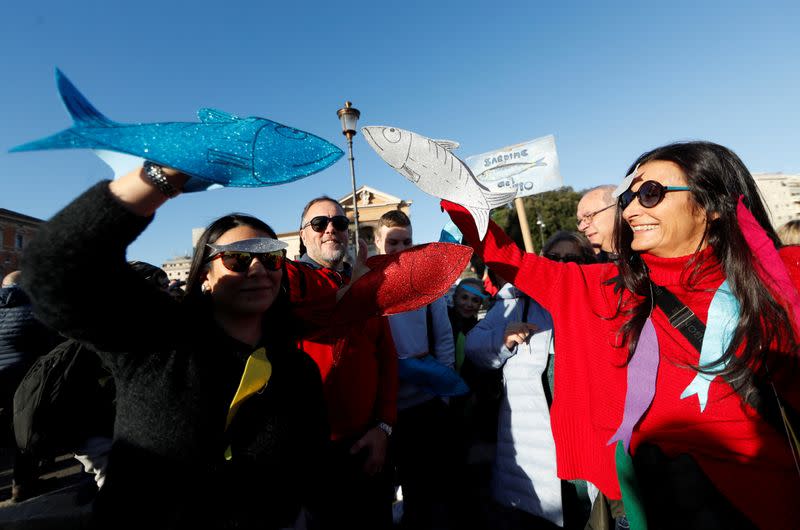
[639, 372]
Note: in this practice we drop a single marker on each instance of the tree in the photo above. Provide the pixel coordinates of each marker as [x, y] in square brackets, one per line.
[556, 209]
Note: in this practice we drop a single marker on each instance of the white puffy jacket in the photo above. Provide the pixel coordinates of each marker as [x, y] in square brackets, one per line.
[524, 475]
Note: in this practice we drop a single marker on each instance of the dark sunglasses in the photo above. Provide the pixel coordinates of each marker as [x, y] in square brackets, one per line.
[650, 193]
[320, 223]
[564, 258]
[236, 261]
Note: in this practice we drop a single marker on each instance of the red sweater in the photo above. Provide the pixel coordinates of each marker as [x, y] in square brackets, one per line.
[359, 374]
[745, 457]
[358, 364]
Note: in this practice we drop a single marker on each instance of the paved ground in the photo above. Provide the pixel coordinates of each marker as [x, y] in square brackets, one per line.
[60, 503]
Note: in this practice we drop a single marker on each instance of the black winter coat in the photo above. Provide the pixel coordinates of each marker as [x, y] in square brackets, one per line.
[176, 372]
[22, 340]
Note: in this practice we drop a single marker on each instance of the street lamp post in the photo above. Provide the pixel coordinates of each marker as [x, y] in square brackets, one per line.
[541, 227]
[349, 115]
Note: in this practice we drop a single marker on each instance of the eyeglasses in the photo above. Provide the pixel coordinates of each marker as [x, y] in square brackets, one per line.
[650, 193]
[590, 216]
[239, 262]
[320, 223]
[564, 258]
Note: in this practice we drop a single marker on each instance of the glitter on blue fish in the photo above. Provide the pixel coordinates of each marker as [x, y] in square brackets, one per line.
[221, 150]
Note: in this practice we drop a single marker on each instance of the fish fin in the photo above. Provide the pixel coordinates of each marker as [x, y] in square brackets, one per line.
[207, 115]
[496, 200]
[447, 144]
[626, 182]
[197, 184]
[481, 217]
[83, 112]
[451, 234]
[120, 163]
[224, 158]
[123, 163]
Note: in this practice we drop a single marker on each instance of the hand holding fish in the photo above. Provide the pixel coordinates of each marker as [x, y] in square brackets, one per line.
[360, 268]
[138, 193]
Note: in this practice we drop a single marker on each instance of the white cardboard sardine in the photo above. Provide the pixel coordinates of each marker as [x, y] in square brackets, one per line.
[432, 166]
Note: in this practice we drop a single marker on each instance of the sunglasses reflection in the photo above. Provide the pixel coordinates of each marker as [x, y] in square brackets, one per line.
[240, 261]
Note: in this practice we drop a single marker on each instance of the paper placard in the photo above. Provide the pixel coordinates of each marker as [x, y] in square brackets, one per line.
[528, 167]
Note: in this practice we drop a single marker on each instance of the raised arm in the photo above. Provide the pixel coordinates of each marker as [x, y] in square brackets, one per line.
[552, 284]
[538, 277]
[77, 274]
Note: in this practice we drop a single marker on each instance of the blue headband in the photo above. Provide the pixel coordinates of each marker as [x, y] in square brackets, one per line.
[471, 289]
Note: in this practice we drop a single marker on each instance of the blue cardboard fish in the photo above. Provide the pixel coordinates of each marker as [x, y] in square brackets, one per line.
[221, 150]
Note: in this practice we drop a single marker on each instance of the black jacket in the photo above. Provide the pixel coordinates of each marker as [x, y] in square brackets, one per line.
[22, 339]
[176, 373]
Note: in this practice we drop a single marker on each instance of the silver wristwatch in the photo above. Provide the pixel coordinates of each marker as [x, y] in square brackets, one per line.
[385, 427]
[155, 174]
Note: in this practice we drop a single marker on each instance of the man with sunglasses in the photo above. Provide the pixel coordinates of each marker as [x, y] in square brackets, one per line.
[595, 214]
[359, 371]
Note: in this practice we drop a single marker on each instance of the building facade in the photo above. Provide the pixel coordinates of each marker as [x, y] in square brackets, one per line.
[781, 194]
[177, 268]
[17, 231]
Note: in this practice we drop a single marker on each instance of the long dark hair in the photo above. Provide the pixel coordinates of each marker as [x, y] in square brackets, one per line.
[210, 235]
[716, 178]
[278, 313]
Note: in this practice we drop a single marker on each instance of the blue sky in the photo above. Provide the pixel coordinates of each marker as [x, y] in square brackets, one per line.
[609, 81]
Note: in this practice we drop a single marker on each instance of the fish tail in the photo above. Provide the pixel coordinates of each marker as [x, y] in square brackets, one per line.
[66, 139]
[496, 199]
[83, 112]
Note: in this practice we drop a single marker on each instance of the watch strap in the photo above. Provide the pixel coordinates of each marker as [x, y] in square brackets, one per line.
[385, 427]
[155, 174]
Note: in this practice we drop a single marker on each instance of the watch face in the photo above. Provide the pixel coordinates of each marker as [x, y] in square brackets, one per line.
[385, 427]
[152, 169]
[155, 174]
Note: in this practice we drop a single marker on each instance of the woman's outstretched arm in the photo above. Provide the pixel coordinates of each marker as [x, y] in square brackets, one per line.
[77, 274]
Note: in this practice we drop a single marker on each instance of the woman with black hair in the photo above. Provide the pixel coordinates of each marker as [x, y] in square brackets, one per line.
[677, 360]
[220, 419]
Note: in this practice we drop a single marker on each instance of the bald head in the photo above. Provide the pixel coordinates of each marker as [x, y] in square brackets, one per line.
[12, 278]
[595, 214]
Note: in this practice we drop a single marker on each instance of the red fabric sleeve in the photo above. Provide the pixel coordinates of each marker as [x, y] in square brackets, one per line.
[550, 283]
[786, 379]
